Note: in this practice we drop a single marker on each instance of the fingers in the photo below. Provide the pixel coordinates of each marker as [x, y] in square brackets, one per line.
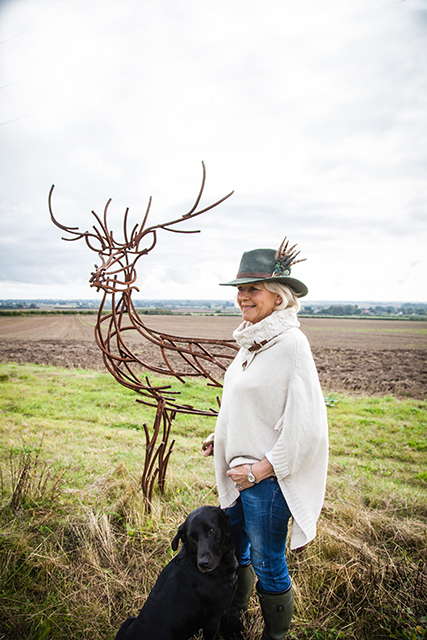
[208, 451]
[208, 445]
[238, 473]
[239, 476]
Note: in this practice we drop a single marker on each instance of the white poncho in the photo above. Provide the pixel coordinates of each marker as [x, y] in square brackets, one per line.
[272, 402]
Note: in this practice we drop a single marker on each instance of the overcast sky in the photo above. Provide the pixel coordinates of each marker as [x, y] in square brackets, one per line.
[313, 111]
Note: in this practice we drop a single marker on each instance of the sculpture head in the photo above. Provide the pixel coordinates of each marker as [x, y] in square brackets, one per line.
[117, 273]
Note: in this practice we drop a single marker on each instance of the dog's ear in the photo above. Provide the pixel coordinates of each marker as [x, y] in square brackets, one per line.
[228, 537]
[225, 519]
[179, 536]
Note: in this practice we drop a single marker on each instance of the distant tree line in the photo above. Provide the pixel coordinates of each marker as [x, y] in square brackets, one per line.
[406, 309]
[185, 307]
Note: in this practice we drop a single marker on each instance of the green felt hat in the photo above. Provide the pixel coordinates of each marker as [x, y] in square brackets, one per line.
[262, 265]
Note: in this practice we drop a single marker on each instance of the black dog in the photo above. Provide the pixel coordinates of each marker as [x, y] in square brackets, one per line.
[195, 588]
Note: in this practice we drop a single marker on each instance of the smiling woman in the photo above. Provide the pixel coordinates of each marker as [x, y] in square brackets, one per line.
[271, 442]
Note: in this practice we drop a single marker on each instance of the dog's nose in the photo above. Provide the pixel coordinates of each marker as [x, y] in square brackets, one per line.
[204, 565]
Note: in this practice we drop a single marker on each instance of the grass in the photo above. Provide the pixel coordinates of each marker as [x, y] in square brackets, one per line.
[78, 554]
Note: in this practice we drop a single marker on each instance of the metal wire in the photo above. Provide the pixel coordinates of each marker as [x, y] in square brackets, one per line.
[121, 333]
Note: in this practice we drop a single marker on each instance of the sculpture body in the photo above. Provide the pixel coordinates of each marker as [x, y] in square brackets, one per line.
[121, 332]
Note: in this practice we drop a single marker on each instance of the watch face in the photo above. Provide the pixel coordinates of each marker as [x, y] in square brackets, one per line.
[251, 476]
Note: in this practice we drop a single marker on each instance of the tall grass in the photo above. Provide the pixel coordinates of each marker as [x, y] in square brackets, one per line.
[78, 554]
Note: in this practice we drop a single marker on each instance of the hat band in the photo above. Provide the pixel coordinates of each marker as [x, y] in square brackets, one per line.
[253, 274]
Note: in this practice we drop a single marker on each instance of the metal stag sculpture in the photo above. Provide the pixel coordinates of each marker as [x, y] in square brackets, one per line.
[121, 334]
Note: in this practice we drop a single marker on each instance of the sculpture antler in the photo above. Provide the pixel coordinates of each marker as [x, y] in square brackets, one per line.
[131, 243]
[120, 257]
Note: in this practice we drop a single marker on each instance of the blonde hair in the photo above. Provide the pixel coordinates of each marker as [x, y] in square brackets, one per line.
[288, 295]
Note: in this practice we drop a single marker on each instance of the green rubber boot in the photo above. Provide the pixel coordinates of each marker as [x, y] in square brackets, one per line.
[277, 612]
[231, 623]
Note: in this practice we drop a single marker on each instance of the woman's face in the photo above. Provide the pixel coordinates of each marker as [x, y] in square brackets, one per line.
[255, 302]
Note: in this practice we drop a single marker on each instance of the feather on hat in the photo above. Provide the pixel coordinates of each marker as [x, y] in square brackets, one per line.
[260, 265]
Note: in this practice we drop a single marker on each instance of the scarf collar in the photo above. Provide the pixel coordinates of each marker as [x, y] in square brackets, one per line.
[253, 337]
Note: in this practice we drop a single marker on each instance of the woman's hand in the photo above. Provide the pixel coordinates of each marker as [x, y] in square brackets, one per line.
[239, 475]
[208, 445]
[208, 451]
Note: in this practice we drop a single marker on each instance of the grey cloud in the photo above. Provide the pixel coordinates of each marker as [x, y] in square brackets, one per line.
[318, 128]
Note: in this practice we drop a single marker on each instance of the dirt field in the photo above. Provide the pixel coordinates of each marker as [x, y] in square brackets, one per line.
[378, 356]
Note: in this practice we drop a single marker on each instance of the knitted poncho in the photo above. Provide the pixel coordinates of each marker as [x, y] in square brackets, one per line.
[272, 402]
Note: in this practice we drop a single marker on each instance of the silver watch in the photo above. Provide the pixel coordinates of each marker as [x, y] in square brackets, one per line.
[251, 476]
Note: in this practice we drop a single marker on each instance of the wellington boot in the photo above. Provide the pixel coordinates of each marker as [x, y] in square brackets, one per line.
[277, 613]
[231, 623]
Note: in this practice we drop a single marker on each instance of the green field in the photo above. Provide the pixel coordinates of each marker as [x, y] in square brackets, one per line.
[78, 554]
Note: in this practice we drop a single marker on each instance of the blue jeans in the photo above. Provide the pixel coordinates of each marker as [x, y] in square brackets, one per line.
[259, 524]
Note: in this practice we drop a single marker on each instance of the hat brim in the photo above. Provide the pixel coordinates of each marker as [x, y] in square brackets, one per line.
[298, 286]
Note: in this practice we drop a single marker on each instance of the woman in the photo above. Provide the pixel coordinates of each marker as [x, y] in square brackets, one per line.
[271, 443]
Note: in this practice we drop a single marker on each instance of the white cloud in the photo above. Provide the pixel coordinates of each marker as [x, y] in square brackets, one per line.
[314, 113]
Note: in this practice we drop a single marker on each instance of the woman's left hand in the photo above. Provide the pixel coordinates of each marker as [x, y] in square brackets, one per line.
[239, 476]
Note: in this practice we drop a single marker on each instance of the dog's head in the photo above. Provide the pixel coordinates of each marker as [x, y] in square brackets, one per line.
[206, 534]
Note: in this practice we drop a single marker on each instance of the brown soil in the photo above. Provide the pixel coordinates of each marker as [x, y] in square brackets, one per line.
[359, 355]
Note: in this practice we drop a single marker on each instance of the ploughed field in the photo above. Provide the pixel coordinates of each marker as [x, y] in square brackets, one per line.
[374, 356]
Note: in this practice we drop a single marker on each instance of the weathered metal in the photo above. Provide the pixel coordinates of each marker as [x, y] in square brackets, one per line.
[121, 332]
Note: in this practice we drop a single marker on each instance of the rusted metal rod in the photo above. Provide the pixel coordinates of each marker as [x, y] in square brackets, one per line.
[118, 332]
